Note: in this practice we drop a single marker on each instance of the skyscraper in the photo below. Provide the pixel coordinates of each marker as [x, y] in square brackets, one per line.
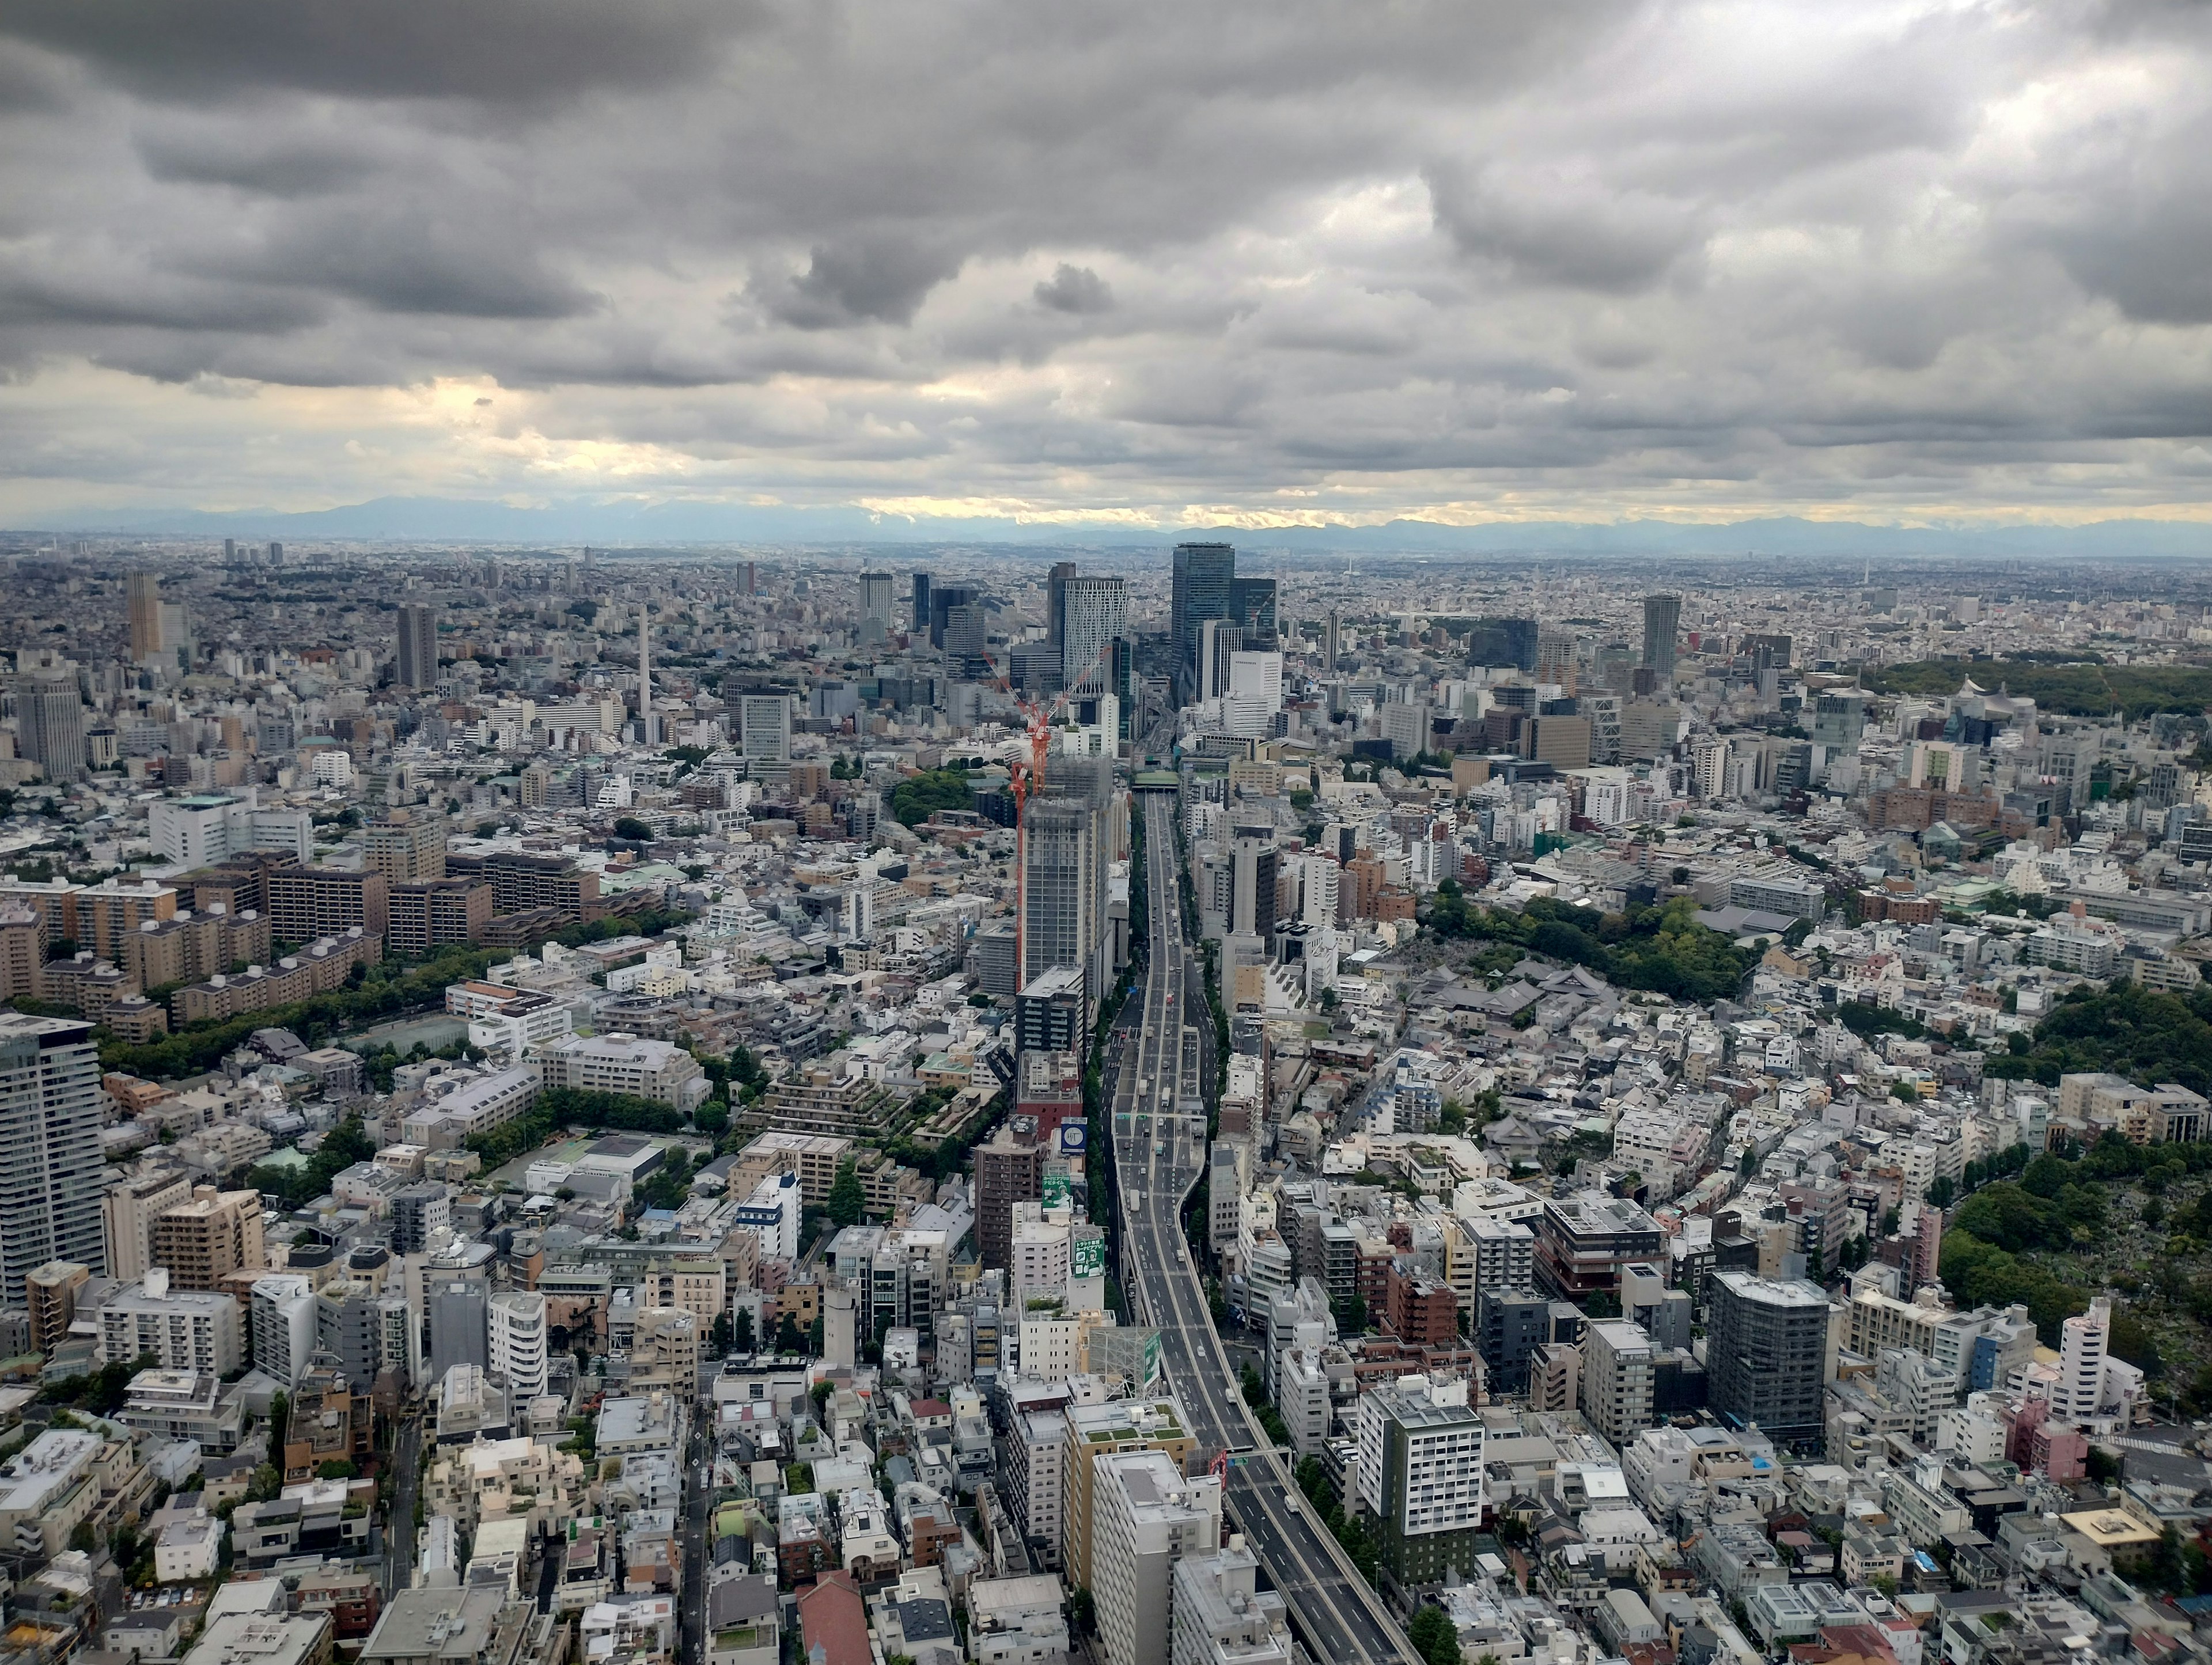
[921, 614]
[764, 734]
[50, 722]
[1662, 617]
[1767, 1354]
[1203, 575]
[876, 589]
[1089, 613]
[51, 1184]
[647, 722]
[1065, 874]
[1331, 639]
[143, 591]
[418, 646]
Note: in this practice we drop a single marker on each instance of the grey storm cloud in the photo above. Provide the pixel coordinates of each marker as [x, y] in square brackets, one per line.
[1075, 289]
[1602, 254]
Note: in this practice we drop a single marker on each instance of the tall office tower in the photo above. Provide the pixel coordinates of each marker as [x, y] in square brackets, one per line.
[1252, 607]
[1220, 642]
[276, 555]
[51, 1184]
[281, 1326]
[128, 1210]
[1254, 863]
[764, 735]
[516, 1343]
[230, 552]
[943, 600]
[922, 613]
[1056, 591]
[647, 724]
[875, 606]
[50, 724]
[1419, 1473]
[418, 646]
[1663, 618]
[1332, 637]
[143, 592]
[1767, 1354]
[1203, 575]
[1090, 615]
[1146, 1517]
[1839, 722]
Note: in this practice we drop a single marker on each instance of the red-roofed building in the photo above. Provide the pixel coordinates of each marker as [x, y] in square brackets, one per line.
[833, 1617]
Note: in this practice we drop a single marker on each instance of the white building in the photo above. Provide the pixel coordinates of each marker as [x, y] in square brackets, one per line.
[185, 1329]
[1420, 1457]
[774, 1213]
[515, 1331]
[1221, 1618]
[282, 1316]
[1146, 1517]
[656, 1070]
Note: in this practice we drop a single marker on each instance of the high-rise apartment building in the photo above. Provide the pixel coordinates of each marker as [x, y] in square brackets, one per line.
[142, 592]
[1221, 1617]
[50, 1291]
[202, 1240]
[1420, 1474]
[407, 847]
[1093, 1431]
[764, 735]
[281, 1319]
[515, 1339]
[186, 1330]
[50, 725]
[417, 666]
[1619, 1373]
[2084, 1345]
[432, 913]
[1146, 1518]
[306, 904]
[50, 1117]
[1064, 882]
[1766, 1352]
[1662, 620]
[1009, 1169]
[128, 1210]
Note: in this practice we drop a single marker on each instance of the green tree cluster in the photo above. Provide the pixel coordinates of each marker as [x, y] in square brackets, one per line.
[2145, 1034]
[2091, 690]
[301, 1182]
[1663, 949]
[921, 795]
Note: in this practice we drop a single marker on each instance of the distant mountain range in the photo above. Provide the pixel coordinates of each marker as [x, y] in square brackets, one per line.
[448, 520]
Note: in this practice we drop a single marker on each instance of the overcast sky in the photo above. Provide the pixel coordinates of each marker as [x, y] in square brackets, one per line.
[1155, 261]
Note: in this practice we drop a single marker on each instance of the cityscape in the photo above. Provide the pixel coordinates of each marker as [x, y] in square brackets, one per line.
[972, 1103]
[844, 834]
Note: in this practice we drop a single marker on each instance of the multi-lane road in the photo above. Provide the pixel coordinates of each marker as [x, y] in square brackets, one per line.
[1159, 1154]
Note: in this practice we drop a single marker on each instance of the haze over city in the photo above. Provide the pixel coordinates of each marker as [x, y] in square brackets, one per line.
[1170, 836]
